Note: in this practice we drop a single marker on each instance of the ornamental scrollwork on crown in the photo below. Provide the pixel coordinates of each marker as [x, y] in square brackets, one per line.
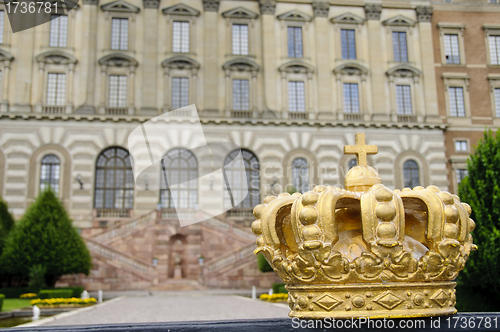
[312, 238]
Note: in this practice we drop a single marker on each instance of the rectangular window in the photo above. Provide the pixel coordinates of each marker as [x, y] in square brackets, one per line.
[117, 91]
[457, 107]
[241, 95]
[56, 89]
[348, 43]
[461, 146]
[497, 101]
[180, 92]
[2, 22]
[180, 37]
[58, 31]
[494, 49]
[461, 174]
[451, 50]
[399, 46]
[351, 98]
[296, 96]
[403, 99]
[294, 35]
[119, 33]
[240, 39]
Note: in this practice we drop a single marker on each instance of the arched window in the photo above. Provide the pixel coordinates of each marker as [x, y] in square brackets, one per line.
[300, 175]
[234, 171]
[352, 163]
[180, 188]
[114, 181]
[49, 173]
[411, 174]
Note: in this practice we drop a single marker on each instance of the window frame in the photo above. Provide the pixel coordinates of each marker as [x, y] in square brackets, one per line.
[59, 31]
[46, 95]
[457, 80]
[233, 24]
[419, 169]
[40, 176]
[182, 78]
[348, 21]
[411, 103]
[121, 19]
[248, 94]
[450, 58]
[344, 99]
[183, 23]
[301, 180]
[289, 97]
[294, 27]
[490, 31]
[108, 90]
[456, 140]
[169, 21]
[452, 29]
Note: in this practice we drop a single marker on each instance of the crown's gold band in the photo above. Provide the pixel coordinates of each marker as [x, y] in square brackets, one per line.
[372, 300]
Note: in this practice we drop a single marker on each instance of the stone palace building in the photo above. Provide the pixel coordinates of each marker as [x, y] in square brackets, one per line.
[290, 82]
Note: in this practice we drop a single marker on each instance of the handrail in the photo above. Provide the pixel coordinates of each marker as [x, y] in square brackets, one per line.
[226, 260]
[125, 229]
[122, 258]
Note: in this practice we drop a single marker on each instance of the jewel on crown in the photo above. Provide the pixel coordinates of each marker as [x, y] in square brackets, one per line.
[366, 250]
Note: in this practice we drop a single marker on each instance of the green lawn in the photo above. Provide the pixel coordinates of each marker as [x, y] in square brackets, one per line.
[10, 304]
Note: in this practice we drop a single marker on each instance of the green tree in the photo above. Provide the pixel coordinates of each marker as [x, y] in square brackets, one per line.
[6, 223]
[45, 237]
[481, 190]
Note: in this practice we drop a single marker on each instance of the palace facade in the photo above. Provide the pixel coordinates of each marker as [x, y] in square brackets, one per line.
[289, 82]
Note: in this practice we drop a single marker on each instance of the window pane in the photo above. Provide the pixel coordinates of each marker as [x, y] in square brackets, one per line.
[180, 92]
[399, 46]
[300, 175]
[403, 99]
[117, 91]
[351, 98]
[456, 99]
[296, 96]
[49, 173]
[234, 173]
[452, 52]
[56, 89]
[348, 44]
[58, 31]
[119, 34]
[112, 187]
[241, 95]
[294, 36]
[411, 174]
[494, 42]
[240, 39]
[180, 37]
[178, 185]
[497, 101]
[461, 174]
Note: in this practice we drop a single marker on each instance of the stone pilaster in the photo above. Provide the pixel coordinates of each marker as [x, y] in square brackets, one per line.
[148, 76]
[267, 6]
[324, 84]
[211, 5]
[269, 60]
[373, 11]
[321, 8]
[211, 56]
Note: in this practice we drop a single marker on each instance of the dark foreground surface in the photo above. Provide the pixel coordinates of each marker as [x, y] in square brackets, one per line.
[459, 322]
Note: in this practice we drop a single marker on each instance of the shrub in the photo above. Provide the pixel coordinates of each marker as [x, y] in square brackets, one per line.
[2, 297]
[56, 293]
[28, 296]
[262, 264]
[15, 292]
[45, 236]
[6, 223]
[274, 297]
[63, 301]
[37, 277]
[77, 290]
[279, 288]
[481, 190]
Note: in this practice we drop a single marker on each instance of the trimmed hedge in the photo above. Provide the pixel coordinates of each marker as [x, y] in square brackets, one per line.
[15, 292]
[2, 297]
[279, 288]
[262, 264]
[57, 293]
[77, 291]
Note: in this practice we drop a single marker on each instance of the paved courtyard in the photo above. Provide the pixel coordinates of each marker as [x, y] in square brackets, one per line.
[171, 307]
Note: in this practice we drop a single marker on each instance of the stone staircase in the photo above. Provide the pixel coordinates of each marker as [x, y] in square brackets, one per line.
[100, 246]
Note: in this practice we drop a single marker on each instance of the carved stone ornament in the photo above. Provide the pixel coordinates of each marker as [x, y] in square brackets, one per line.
[424, 13]
[211, 5]
[267, 6]
[373, 12]
[321, 8]
[367, 250]
[91, 2]
[154, 4]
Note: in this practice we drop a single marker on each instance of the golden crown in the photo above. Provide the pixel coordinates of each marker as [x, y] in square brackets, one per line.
[366, 251]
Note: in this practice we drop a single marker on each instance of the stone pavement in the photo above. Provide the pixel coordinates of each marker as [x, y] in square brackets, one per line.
[172, 307]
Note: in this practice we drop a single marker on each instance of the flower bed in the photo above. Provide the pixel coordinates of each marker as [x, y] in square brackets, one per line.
[274, 297]
[28, 296]
[63, 302]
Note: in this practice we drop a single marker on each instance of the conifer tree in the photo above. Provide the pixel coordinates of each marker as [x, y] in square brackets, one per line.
[481, 190]
[6, 223]
[45, 237]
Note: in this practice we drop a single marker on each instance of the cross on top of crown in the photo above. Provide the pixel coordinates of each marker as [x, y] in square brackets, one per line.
[360, 149]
